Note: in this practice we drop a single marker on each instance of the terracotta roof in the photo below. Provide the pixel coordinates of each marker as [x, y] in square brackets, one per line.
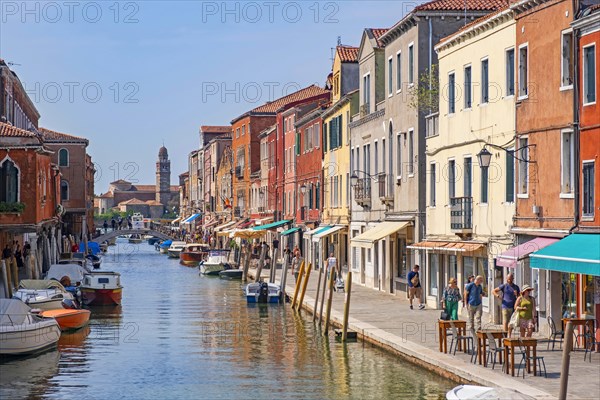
[215, 129]
[302, 94]
[107, 195]
[378, 33]
[153, 203]
[54, 136]
[473, 23]
[120, 181]
[7, 130]
[348, 53]
[456, 5]
[132, 201]
[143, 188]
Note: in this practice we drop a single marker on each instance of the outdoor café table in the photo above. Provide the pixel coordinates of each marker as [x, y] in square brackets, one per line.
[482, 343]
[509, 346]
[578, 322]
[443, 326]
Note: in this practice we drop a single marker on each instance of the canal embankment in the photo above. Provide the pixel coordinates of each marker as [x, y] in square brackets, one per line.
[386, 321]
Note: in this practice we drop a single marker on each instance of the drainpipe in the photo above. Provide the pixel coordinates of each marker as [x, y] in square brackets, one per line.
[576, 132]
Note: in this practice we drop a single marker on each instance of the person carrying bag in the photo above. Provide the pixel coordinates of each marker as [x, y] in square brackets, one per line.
[450, 299]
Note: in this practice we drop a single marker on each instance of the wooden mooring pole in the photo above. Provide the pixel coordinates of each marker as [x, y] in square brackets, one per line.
[566, 361]
[298, 281]
[347, 305]
[261, 263]
[304, 285]
[284, 271]
[323, 295]
[329, 300]
[317, 294]
[246, 261]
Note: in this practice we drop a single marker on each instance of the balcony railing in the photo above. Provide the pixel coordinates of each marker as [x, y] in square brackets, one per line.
[432, 124]
[362, 191]
[461, 214]
[386, 191]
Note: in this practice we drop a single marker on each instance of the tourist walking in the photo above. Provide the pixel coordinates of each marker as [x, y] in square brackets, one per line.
[332, 265]
[473, 297]
[26, 250]
[414, 287]
[6, 253]
[450, 298]
[113, 224]
[508, 292]
[19, 256]
[525, 306]
[105, 226]
[120, 222]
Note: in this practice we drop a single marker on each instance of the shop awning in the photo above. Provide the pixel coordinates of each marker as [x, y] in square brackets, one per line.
[263, 221]
[225, 226]
[272, 225]
[578, 253]
[290, 231]
[190, 219]
[466, 247]
[176, 220]
[381, 230]
[330, 231]
[510, 257]
[317, 230]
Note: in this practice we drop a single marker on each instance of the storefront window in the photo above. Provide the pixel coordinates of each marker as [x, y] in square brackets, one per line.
[434, 267]
[467, 268]
[590, 295]
[482, 269]
[402, 259]
[569, 306]
[452, 267]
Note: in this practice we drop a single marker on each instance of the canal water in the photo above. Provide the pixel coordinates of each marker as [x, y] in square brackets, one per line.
[180, 335]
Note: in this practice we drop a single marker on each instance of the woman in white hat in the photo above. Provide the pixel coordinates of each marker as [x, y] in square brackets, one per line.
[525, 306]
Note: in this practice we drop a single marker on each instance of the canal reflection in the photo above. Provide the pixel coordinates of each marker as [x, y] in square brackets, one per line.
[181, 335]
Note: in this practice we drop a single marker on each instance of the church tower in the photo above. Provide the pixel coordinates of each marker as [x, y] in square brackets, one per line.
[163, 177]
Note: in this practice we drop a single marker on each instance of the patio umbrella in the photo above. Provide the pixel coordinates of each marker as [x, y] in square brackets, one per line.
[247, 234]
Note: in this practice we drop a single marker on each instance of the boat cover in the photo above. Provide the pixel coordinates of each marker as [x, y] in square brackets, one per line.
[73, 271]
[38, 284]
[13, 312]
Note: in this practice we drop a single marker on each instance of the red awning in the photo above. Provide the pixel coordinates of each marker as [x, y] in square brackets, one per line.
[510, 257]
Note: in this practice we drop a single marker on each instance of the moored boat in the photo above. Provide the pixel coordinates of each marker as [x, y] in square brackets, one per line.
[42, 294]
[175, 249]
[231, 274]
[153, 240]
[217, 261]
[472, 392]
[101, 288]
[68, 319]
[262, 292]
[193, 254]
[163, 248]
[22, 332]
[135, 238]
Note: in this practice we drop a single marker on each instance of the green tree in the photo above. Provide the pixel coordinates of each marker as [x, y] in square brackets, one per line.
[424, 96]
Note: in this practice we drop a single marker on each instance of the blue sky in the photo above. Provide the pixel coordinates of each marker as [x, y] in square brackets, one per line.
[129, 75]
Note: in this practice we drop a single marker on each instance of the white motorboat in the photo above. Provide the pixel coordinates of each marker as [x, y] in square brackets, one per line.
[42, 294]
[101, 288]
[22, 332]
[175, 249]
[262, 292]
[135, 238]
[472, 392]
[217, 261]
[74, 272]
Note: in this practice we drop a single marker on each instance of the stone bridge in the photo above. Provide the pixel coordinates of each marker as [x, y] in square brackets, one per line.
[143, 231]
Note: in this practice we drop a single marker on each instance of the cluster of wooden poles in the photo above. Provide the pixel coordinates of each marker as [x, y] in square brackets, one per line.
[326, 291]
[9, 274]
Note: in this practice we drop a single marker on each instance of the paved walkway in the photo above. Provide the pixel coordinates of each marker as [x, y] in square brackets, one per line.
[387, 321]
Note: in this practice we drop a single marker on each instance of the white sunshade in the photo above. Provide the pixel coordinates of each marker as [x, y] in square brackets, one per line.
[327, 232]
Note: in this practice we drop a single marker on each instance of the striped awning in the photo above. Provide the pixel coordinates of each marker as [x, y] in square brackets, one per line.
[191, 218]
[330, 231]
[272, 225]
[512, 256]
[290, 231]
[462, 247]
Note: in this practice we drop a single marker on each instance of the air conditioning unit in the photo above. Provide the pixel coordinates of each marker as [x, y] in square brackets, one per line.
[535, 210]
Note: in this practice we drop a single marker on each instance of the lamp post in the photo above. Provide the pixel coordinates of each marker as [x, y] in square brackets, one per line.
[485, 157]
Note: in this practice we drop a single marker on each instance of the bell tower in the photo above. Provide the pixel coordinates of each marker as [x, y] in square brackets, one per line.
[163, 177]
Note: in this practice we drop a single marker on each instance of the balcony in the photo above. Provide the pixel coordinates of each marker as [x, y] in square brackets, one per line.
[461, 215]
[239, 171]
[386, 190]
[432, 125]
[362, 192]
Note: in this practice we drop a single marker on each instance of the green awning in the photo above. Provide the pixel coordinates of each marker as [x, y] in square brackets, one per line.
[316, 231]
[272, 225]
[577, 253]
[290, 231]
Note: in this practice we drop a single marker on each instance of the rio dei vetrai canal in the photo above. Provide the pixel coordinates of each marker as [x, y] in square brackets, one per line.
[180, 335]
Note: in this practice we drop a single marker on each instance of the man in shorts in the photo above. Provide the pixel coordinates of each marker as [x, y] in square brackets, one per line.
[414, 287]
[508, 292]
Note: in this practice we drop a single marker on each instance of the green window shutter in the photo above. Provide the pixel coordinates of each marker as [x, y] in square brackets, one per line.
[510, 177]
[297, 143]
[340, 130]
[324, 136]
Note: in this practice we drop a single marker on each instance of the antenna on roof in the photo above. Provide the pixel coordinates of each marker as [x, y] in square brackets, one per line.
[12, 63]
[465, 12]
[339, 41]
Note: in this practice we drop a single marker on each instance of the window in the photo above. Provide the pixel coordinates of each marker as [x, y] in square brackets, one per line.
[588, 188]
[484, 184]
[451, 94]
[376, 166]
[451, 179]
[411, 153]
[243, 130]
[510, 72]
[318, 196]
[566, 59]
[382, 156]
[316, 130]
[335, 132]
[399, 155]
[9, 181]
[468, 171]
[468, 90]
[357, 161]
[523, 71]
[523, 152]
[390, 75]
[485, 81]
[367, 93]
[468, 268]
[325, 124]
[410, 65]
[399, 71]
[63, 158]
[589, 74]
[567, 164]
[434, 267]
[367, 158]
[64, 190]
[237, 132]
[510, 176]
[432, 182]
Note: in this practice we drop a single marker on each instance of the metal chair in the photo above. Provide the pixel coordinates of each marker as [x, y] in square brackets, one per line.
[539, 359]
[469, 343]
[591, 341]
[492, 349]
[554, 333]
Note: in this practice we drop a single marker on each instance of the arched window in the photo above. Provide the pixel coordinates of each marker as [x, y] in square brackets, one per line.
[9, 181]
[63, 158]
[64, 190]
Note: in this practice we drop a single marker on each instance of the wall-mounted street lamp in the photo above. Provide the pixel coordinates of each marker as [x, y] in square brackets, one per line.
[354, 177]
[485, 157]
[303, 189]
